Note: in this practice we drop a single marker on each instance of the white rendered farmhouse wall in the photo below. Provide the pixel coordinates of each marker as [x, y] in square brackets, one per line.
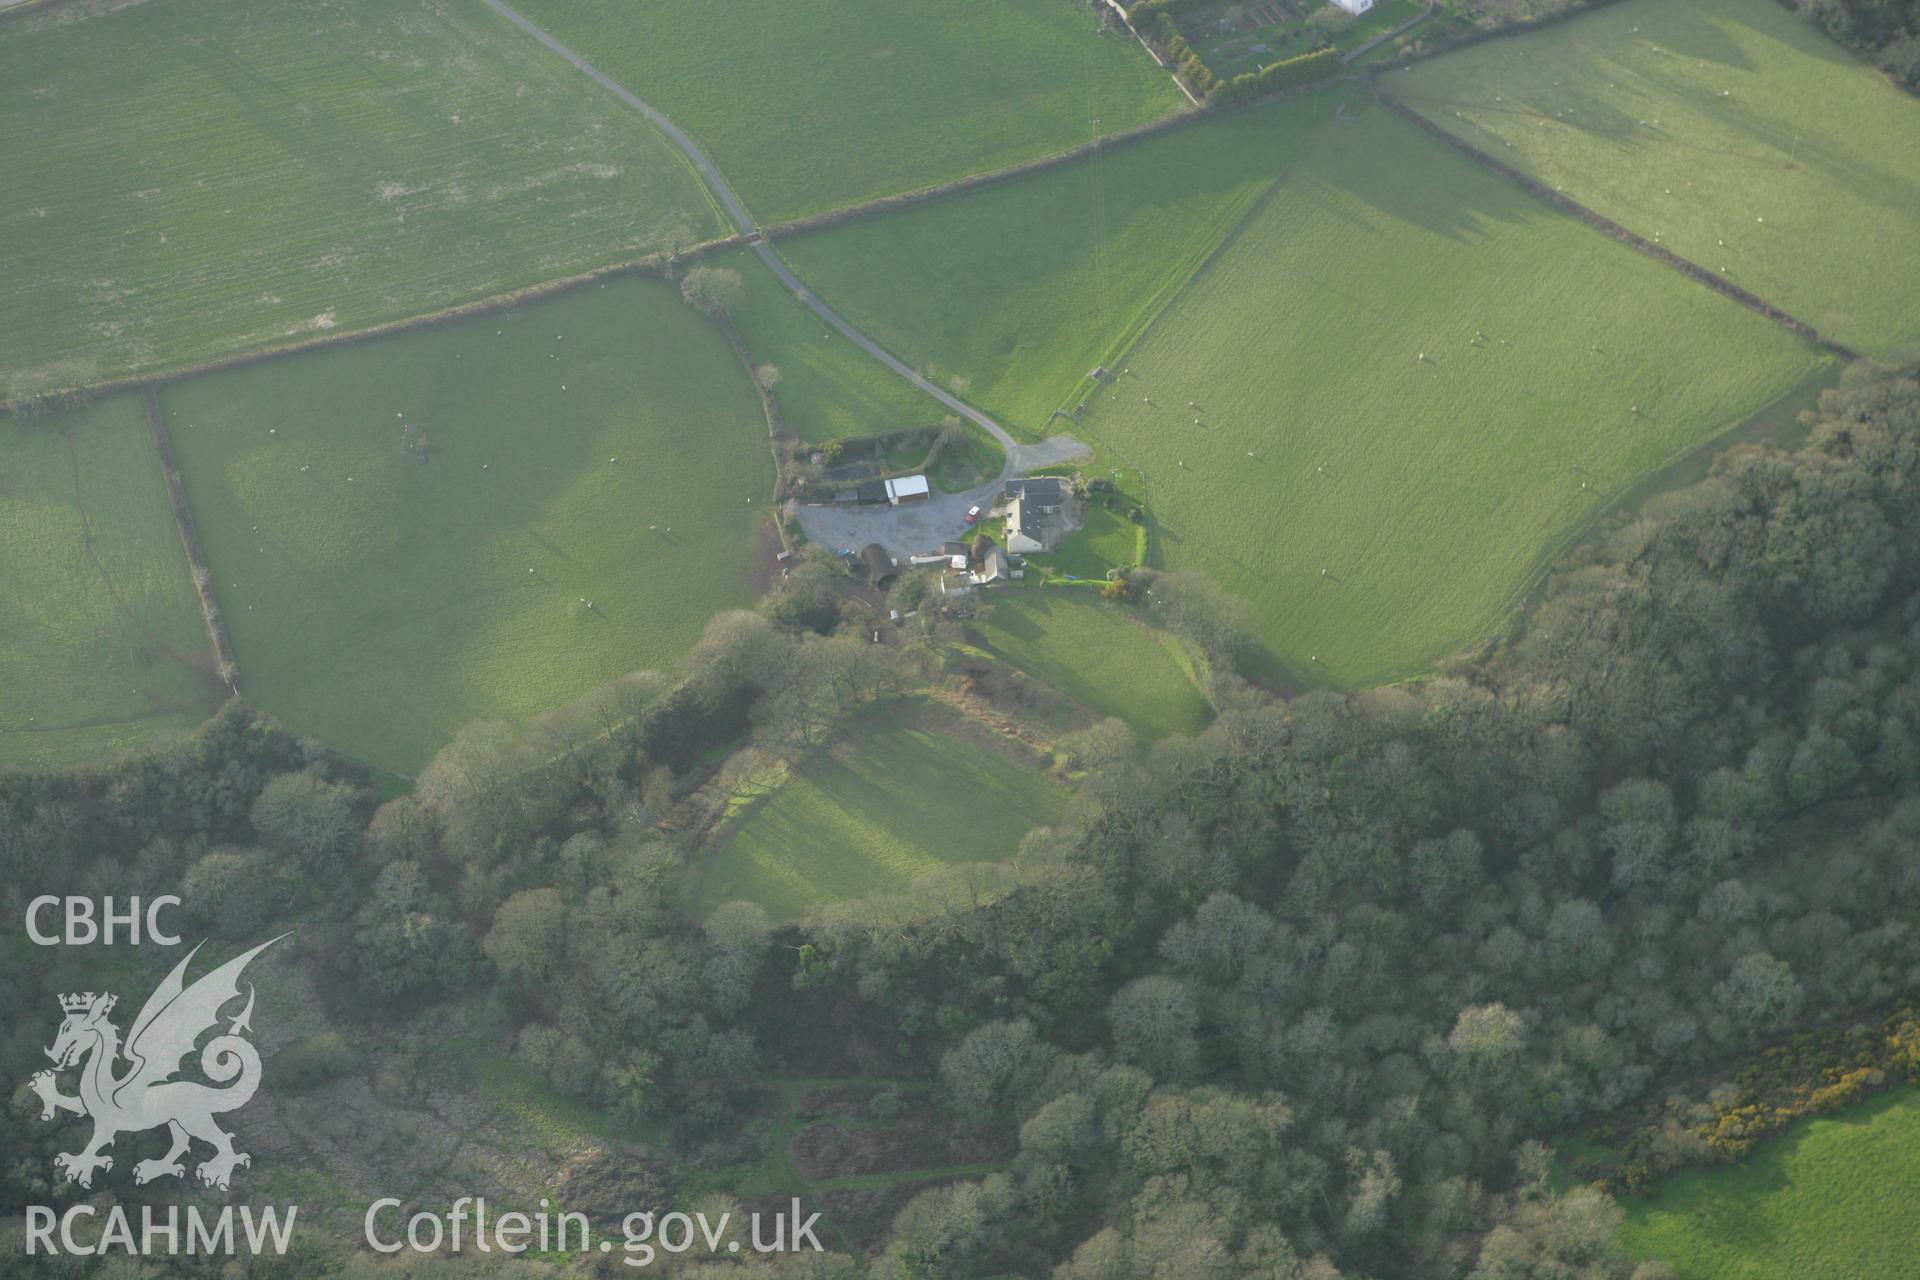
[1355, 7]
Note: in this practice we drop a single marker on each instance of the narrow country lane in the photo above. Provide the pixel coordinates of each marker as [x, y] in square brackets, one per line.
[1016, 452]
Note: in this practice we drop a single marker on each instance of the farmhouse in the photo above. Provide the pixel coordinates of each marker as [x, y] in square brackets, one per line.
[1045, 494]
[1029, 529]
[1036, 512]
[1354, 7]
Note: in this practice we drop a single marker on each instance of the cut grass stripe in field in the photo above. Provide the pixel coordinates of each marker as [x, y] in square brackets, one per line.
[898, 795]
[1736, 133]
[403, 533]
[1831, 1199]
[193, 178]
[1009, 295]
[1415, 384]
[806, 105]
[101, 642]
[1097, 654]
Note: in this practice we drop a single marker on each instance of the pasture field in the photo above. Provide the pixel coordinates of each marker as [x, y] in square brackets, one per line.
[1831, 1199]
[194, 178]
[1739, 135]
[101, 643]
[1011, 294]
[1099, 655]
[1415, 384]
[828, 387]
[403, 532]
[895, 796]
[812, 104]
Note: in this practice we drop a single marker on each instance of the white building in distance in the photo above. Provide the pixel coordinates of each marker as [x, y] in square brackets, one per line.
[1354, 7]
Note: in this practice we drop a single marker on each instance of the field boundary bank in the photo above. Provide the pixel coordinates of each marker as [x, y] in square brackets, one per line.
[93, 558]
[1039, 164]
[654, 264]
[1205, 265]
[905, 200]
[776, 424]
[224, 665]
[1599, 222]
[1122, 354]
[659, 263]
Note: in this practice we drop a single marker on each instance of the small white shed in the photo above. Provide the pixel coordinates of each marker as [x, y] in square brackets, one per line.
[907, 489]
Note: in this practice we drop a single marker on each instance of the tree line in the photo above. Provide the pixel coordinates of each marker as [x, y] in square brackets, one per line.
[1885, 32]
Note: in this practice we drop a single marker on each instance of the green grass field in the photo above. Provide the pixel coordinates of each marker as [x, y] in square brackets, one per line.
[811, 104]
[1831, 1199]
[1449, 482]
[204, 176]
[828, 387]
[101, 643]
[1694, 123]
[1097, 654]
[1106, 540]
[384, 601]
[896, 796]
[1009, 295]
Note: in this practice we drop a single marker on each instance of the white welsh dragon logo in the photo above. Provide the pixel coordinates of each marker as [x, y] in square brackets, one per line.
[146, 1096]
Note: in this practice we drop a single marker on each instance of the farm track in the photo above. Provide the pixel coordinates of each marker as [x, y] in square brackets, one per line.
[755, 237]
[653, 263]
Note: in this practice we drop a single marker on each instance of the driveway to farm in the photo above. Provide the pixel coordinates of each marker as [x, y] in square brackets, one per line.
[1019, 457]
[903, 531]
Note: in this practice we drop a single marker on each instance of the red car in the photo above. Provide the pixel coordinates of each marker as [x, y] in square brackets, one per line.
[973, 514]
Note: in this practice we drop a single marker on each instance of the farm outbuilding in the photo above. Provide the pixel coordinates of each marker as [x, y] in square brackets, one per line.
[908, 489]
